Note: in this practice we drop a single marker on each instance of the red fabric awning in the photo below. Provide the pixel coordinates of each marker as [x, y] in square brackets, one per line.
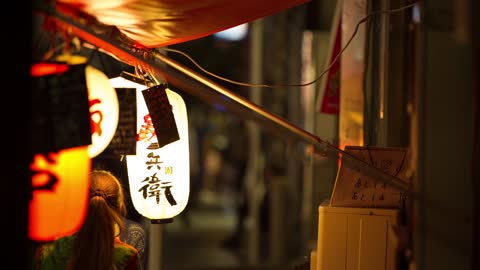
[157, 23]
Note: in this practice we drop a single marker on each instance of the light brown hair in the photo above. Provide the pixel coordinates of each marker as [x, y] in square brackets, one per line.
[94, 243]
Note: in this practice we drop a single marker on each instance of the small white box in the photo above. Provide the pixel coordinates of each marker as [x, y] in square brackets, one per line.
[356, 238]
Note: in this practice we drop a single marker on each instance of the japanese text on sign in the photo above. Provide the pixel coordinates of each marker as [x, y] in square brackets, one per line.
[355, 188]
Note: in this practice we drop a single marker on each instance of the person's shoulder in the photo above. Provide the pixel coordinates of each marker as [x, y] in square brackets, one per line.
[62, 243]
[56, 252]
[131, 225]
[129, 222]
[133, 231]
[124, 246]
[133, 263]
[126, 256]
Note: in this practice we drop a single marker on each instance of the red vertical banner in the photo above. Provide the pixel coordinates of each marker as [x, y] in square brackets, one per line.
[331, 96]
[330, 101]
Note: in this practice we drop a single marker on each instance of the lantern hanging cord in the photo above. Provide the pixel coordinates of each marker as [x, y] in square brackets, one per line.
[334, 60]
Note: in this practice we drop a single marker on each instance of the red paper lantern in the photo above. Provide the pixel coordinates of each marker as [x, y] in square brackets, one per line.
[61, 182]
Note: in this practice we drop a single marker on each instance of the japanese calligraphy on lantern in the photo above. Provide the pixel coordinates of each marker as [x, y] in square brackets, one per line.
[60, 193]
[103, 110]
[159, 176]
[355, 188]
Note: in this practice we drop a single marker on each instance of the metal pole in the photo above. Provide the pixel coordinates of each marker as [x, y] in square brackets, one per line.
[155, 246]
[255, 150]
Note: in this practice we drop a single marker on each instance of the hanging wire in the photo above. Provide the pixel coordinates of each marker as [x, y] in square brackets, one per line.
[40, 21]
[337, 57]
[147, 75]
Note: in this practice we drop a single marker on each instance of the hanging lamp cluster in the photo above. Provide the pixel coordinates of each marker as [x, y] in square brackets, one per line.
[76, 118]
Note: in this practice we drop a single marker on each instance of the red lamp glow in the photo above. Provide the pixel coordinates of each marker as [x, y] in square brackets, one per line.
[60, 180]
[59, 202]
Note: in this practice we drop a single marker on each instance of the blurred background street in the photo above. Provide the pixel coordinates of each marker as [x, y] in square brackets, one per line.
[198, 239]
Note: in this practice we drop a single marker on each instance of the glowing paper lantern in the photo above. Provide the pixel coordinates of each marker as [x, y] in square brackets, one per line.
[159, 178]
[60, 176]
[59, 203]
[103, 110]
[61, 165]
[103, 105]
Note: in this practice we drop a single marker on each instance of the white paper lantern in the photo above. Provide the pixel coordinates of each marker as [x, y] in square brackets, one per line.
[103, 104]
[159, 179]
[103, 110]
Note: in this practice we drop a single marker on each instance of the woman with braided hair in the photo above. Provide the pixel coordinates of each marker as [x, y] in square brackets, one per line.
[96, 245]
